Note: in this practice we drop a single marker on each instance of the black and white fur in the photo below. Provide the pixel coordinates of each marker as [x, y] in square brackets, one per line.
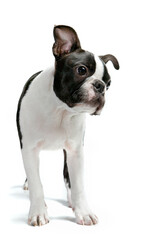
[51, 115]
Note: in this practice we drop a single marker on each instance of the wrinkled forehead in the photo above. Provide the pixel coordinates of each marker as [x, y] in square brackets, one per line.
[82, 57]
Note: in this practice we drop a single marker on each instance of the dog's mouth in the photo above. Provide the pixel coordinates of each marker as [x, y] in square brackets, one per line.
[92, 103]
[99, 104]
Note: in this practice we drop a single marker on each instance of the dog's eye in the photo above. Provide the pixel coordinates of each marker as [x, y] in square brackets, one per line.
[82, 70]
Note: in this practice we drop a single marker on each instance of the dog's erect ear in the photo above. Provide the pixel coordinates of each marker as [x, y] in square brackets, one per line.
[66, 41]
[111, 58]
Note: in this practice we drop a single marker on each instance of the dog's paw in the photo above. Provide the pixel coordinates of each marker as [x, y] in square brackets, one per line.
[85, 217]
[38, 220]
[38, 216]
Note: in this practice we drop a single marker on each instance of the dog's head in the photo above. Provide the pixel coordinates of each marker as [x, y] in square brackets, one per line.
[81, 78]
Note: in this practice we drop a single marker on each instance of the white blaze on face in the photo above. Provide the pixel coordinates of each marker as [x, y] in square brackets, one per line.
[90, 96]
[98, 75]
[99, 69]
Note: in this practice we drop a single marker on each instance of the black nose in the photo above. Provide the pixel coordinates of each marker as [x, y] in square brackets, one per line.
[99, 86]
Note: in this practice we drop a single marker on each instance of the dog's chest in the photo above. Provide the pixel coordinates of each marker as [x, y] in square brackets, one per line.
[46, 121]
[61, 130]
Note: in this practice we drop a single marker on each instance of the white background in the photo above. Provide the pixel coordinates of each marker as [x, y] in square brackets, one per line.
[121, 146]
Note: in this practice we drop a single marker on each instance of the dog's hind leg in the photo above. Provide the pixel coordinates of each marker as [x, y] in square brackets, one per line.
[25, 186]
[67, 179]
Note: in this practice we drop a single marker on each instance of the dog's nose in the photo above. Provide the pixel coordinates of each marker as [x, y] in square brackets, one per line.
[99, 86]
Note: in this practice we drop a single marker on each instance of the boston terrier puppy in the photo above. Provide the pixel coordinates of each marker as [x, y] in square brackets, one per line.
[51, 115]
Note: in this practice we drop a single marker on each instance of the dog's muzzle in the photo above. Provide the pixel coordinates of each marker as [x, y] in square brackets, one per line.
[99, 87]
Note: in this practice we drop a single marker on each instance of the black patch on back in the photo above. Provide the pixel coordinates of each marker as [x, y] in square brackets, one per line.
[25, 89]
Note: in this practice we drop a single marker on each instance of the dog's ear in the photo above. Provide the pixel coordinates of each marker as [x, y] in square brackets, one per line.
[111, 58]
[66, 41]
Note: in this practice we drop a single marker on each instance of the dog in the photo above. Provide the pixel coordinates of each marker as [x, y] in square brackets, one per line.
[51, 115]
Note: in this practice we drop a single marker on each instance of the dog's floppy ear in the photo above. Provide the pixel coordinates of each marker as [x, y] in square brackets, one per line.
[111, 58]
[66, 41]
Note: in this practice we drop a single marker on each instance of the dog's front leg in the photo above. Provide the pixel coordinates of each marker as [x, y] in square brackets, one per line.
[38, 213]
[80, 206]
